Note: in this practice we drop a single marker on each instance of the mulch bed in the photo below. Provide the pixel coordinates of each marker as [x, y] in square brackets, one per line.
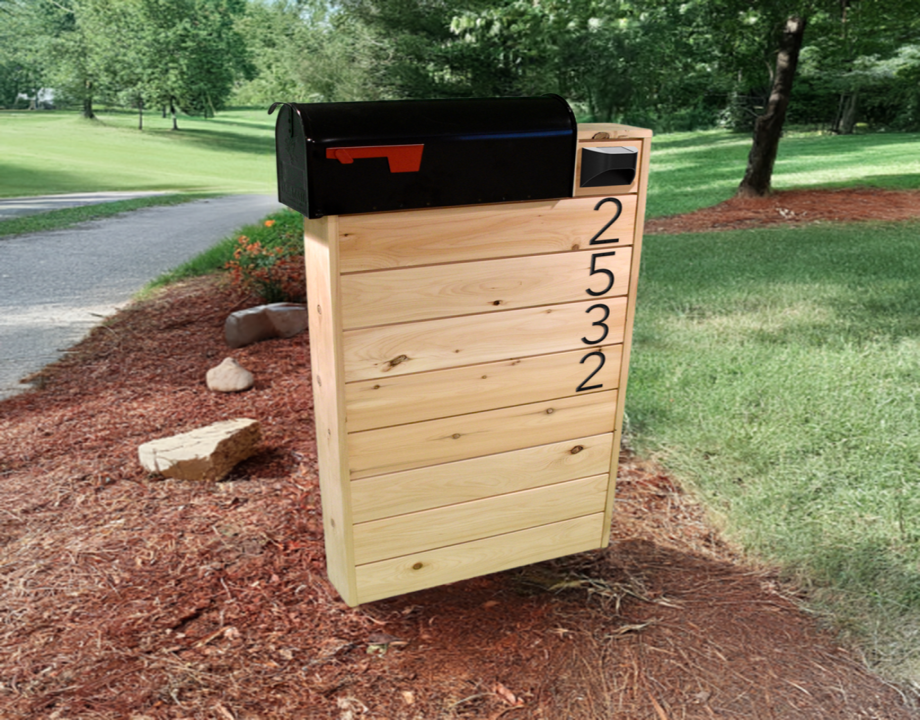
[129, 596]
[795, 207]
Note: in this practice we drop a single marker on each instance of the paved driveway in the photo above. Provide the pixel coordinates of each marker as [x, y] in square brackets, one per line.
[55, 286]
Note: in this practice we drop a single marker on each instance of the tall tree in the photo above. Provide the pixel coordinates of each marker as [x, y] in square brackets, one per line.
[769, 126]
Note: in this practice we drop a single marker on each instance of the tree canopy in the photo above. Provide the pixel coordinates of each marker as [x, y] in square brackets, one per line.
[665, 64]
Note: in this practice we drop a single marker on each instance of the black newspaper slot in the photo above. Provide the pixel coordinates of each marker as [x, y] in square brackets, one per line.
[603, 166]
[346, 158]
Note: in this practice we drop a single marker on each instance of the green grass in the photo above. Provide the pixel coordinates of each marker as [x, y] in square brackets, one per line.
[59, 152]
[699, 169]
[287, 232]
[59, 219]
[777, 372]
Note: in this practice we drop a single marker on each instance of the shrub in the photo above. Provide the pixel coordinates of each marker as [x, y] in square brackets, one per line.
[274, 274]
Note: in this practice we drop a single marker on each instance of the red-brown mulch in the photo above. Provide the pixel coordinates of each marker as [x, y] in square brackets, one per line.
[128, 596]
[795, 207]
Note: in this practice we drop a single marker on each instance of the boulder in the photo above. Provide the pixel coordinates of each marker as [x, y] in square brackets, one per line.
[278, 320]
[208, 453]
[229, 376]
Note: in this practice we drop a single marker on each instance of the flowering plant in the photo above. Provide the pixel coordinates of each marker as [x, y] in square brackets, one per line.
[274, 274]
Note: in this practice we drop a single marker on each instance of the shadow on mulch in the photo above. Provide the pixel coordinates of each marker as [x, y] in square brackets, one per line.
[128, 596]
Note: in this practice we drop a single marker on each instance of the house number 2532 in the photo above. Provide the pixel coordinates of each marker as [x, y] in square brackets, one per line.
[598, 336]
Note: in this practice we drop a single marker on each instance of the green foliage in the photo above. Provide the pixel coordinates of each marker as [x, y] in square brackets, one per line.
[280, 234]
[778, 373]
[306, 53]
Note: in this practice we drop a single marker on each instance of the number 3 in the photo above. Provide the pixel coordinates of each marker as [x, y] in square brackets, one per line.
[598, 323]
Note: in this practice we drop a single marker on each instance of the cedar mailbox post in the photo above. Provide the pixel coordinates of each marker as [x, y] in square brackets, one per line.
[471, 275]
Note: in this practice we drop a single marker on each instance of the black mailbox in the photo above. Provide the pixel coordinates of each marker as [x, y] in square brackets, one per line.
[345, 158]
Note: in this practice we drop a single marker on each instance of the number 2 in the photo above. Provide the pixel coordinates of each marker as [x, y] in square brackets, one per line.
[583, 386]
[596, 240]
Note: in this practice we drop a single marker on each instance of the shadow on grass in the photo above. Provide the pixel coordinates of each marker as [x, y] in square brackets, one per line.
[18, 181]
[873, 570]
[222, 140]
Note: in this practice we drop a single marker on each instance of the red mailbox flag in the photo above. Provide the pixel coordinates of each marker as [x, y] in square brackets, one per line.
[402, 158]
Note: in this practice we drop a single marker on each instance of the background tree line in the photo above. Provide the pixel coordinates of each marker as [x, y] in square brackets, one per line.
[665, 64]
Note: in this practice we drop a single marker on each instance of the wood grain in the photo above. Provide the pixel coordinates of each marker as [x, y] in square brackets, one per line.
[476, 232]
[429, 529]
[393, 449]
[452, 483]
[479, 557]
[457, 391]
[392, 350]
[422, 293]
[326, 360]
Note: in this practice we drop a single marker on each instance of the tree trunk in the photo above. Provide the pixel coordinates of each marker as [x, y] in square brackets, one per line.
[140, 113]
[88, 102]
[172, 111]
[846, 119]
[768, 128]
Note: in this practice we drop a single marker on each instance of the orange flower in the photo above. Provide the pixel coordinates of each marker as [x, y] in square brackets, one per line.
[269, 223]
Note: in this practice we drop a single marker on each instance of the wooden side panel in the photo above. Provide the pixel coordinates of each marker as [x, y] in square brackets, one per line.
[458, 482]
[405, 447]
[479, 557]
[406, 534]
[627, 345]
[329, 402]
[443, 235]
[449, 342]
[458, 391]
[423, 293]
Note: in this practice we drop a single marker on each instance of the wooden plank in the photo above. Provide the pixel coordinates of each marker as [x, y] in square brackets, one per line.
[479, 557]
[393, 449]
[441, 235]
[458, 391]
[422, 293]
[440, 527]
[391, 350]
[627, 345]
[452, 483]
[329, 402]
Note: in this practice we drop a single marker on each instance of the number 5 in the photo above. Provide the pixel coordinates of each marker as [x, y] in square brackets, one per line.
[595, 270]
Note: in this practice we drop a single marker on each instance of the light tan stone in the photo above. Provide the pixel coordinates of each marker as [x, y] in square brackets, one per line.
[278, 320]
[208, 453]
[229, 376]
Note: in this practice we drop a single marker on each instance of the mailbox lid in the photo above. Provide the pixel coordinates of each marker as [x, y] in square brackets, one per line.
[344, 158]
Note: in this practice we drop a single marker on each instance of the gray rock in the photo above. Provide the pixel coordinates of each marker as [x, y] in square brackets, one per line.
[278, 320]
[208, 453]
[229, 376]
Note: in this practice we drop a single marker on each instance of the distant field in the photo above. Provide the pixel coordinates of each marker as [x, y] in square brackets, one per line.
[59, 152]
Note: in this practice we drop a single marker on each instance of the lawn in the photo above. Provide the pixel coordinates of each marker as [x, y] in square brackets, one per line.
[699, 169]
[59, 152]
[777, 372]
